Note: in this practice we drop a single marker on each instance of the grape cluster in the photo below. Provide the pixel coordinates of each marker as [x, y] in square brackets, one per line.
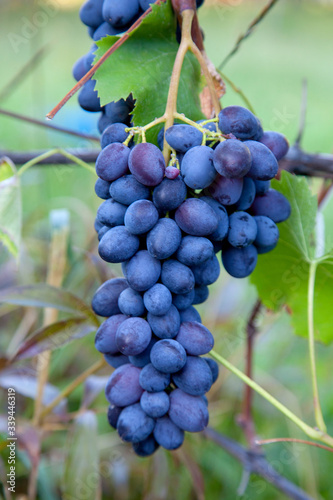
[166, 227]
[107, 18]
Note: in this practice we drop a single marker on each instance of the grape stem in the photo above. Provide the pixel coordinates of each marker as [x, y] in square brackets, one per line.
[52, 152]
[309, 431]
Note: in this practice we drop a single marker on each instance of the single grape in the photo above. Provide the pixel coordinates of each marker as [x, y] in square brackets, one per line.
[123, 388]
[242, 229]
[170, 194]
[164, 239]
[240, 262]
[195, 377]
[134, 425]
[131, 303]
[167, 434]
[168, 356]
[177, 277]
[183, 300]
[214, 368]
[276, 142]
[158, 300]
[146, 447]
[79, 69]
[189, 314]
[105, 300]
[113, 415]
[172, 172]
[127, 190]
[248, 194]
[114, 133]
[155, 404]
[264, 164]
[118, 14]
[197, 167]
[105, 29]
[88, 97]
[153, 380]
[166, 326]
[223, 220]
[238, 121]
[112, 161]
[226, 191]
[91, 13]
[141, 216]
[118, 112]
[188, 412]
[194, 250]
[133, 336]
[200, 294]
[273, 205]
[207, 272]
[143, 271]
[195, 338]
[183, 137]
[196, 217]
[118, 245]
[111, 213]
[232, 159]
[102, 231]
[102, 189]
[267, 234]
[105, 340]
[147, 164]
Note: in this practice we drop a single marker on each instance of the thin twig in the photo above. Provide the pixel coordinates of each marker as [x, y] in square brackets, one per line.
[257, 464]
[45, 124]
[22, 157]
[248, 32]
[292, 440]
[99, 63]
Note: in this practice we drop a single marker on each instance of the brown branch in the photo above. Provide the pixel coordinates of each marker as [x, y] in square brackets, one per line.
[99, 63]
[45, 124]
[299, 162]
[256, 463]
[22, 157]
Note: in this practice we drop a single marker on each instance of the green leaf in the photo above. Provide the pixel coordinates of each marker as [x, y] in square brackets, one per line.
[54, 336]
[10, 206]
[81, 468]
[42, 295]
[143, 66]
[282, 276]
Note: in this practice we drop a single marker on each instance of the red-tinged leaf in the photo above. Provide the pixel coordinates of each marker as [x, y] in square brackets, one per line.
[93, 386]
[42, 295]
[54, 336]
[29, 439]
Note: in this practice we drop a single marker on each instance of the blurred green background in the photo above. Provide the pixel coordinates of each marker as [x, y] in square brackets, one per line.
[293, 43]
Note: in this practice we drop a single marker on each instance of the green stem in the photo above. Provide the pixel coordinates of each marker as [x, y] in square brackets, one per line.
[309, 431]
[316, 402]
[238, 91]
[52, 152]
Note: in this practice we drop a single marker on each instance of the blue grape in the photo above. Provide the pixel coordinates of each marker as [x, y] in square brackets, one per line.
[113, 415]
[160, 136]
[195, 217]
[267, 234]
[183, 300]
[127, 190]
[190, 314]
[195, 338]
[88, 97]
[226, 191]
[183, 137]
[242, 229]
[238, 121]
[118, 245]
[131, 303]
[240, 262]
[200, 294]
[223, 220]
[177, 277]
[91, 13]
[232, 159]
[105, 300]
[105, 340]
[167, 434]
[141, 216]
[116, 360]
[158, 299]
[123, 387]
[112, 161]
[105, 29]
[146, 447]
[273, 205]
[143, 271]
[166, 326]
[188, 412]
[143, 359]
[261, 186]
[264, 164]
[194, 250]
[133, 336]
[197, 167]
[114, 133]
[170, 194]
[118, 14]
[155, 404]
[248, 194]
[171, 172]
[214, 368]
[111, 213]
[207, 272]
[276, 142]
[153, 380]
[118, 112]
[134, 425]
[168, 356]
[195, 377]
[79, 69]
[147, 164]
[102, 231]
[102, 189]
[164, 239]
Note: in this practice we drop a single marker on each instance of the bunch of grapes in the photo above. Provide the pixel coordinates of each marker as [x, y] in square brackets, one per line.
[167, 226]
[107, 18]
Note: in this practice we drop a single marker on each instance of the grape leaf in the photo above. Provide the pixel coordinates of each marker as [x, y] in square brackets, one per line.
[10, 207]
[282, 276]
[143, 66]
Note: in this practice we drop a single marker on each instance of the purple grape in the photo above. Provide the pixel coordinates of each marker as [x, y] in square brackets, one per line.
[276, 142]
[171, 172]
[170, 194]
[166, 326]
[112, 162]
[146, 447]
[223, 221]
[158, 299]
[91, 13]
[242, 229]
[267, 234]
[105, 29]
[133, 336]
[264, 164]
[232, 159]
[153, 380]
[118, 14]
[143, 271]
[226, 191]
[155, 404]
[183, 300]
[114, 133]
[195, 377]
[168, 356]
[188, 412]
[207, 272]
[127, 190]
[189, 314]
[240, 262]
[105, 340]
[248, 194]
[143, 359]
[118, 244]
[273, 205]
[131, 303]
[183, 137]
[134, 425]
[111, 213]
[214, 368]
[167, 434]
[113, 415]
[197, 167]
[195, 217]
[88, 97]
[194, 250]
[105, 300]
[116, 360]
[177, 277]
[195, 338]
[141, 216]
[164, 239]
[200, 294]
[261, 187]
[147, 164]
[102, 189]
[238, 121]
[123, 388]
